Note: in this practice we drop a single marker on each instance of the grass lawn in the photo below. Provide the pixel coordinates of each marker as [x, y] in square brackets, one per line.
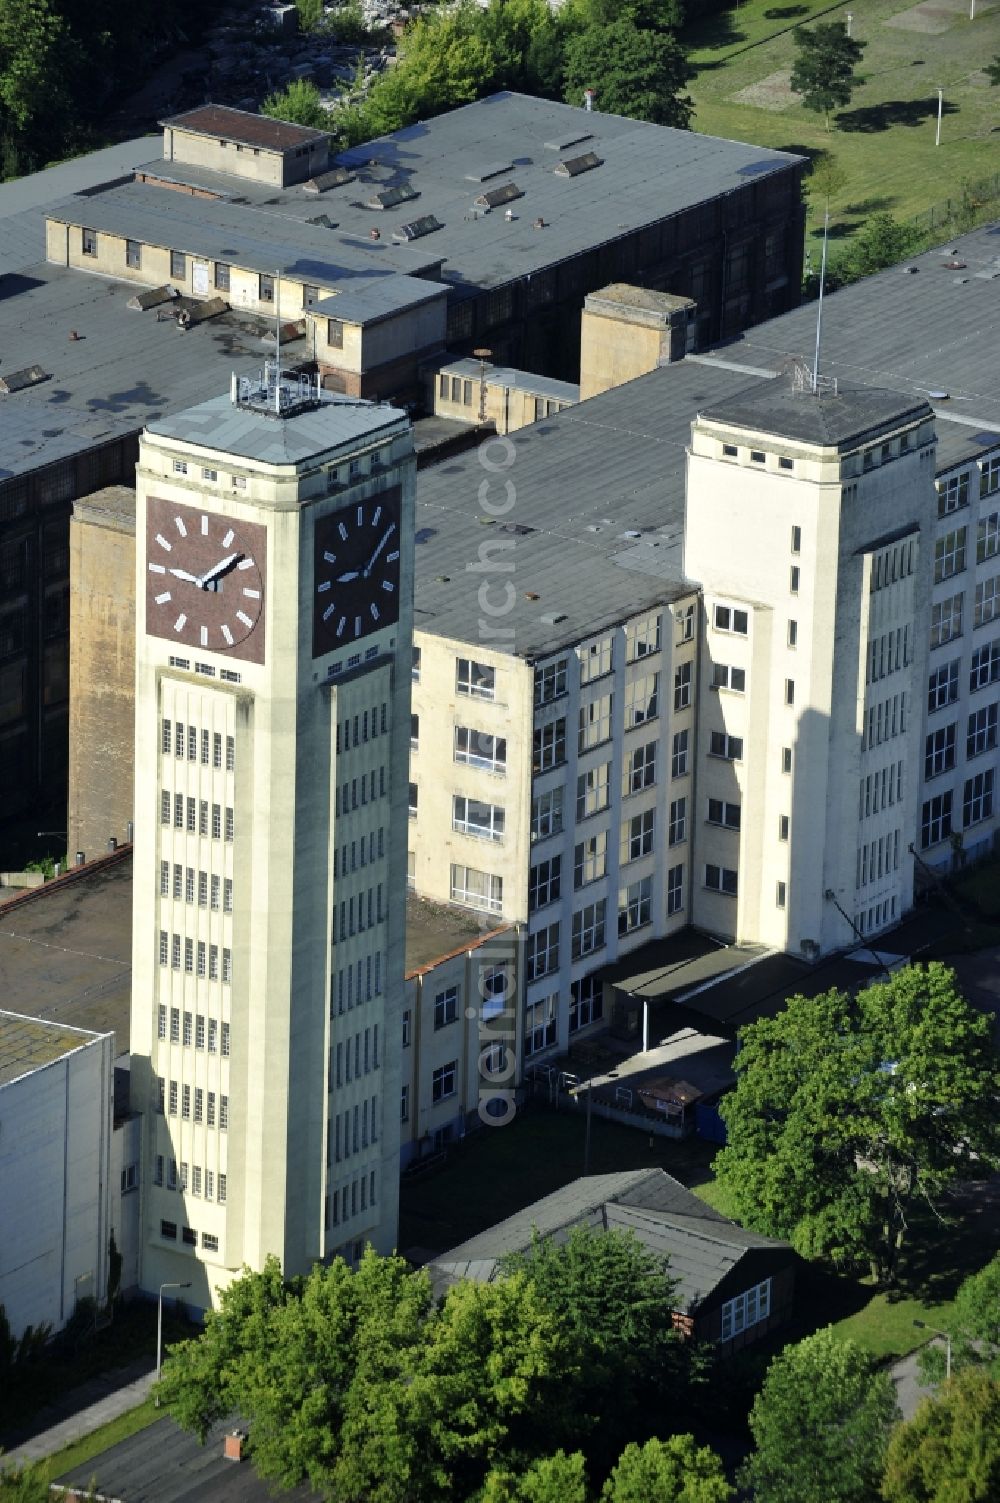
[884, 140]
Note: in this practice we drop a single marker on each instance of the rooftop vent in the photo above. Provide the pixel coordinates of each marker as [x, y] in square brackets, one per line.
[425, 225]
[325, 180]
[391, 198]
[324, 221]
[573, 166]
[517, 529]
[562, 143]
[939, 396]
[552, 618]
[632, 532]
[497, 196]
[492, 169]
[18, 380]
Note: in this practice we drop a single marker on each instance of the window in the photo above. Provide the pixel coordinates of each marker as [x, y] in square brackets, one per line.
[677, 824]
[539, 1025]
[477, 679]
[793, 580]
[476, 889]
[982, 732]
[229, 824]
[178, 265]
[549, 745]
[172, 1098]
[721, 879]
[595, 659]
[550, 681]
[939, 751]
[590, 859]
[168, 1230]
[642, 637]
[413, 796]
[415, 666]
[682, 686]
[730, 451]
[637, 836]
[593, 790]
[721, 812]
[675, 890]
[133, 254]
[793, 633]
[407, 1019]
[210, 1242]
[728, 747]
[784, 463]
[783, 826]
[989, 476]
[446, 1007]
[946, 621]
[188, 1035]
[635, 905]
[544, 883]
[942, 686]
[443, 1081]
[949, 555]
[335, 333]
[586, 1003]
[642, 699]
[542, 951]
[789, 691]
[679, 755]
[987, 603]
[547, 814]
[725, 677]
[985, 667]
[216, 822]
[472, 817]
[757, 456]
[265, 288]
[988, 537]
[640, 770]
[935, 820]
[595, 723]
[745, 1311]
[588, 928]
[725, 618]
[223, 1112]
[685, 625]
[953, 493]
[89, 242]
[221, 1197]
[478, 749]
[175, 1025]
[786, 759]
[221, 277]
[977, 801]
[163, 946]
[796, 542]
[404, 1104]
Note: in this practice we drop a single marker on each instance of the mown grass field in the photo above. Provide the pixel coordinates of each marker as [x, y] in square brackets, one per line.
[884, 140]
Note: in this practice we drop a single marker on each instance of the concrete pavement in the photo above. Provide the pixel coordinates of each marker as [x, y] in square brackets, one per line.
[84, 1410]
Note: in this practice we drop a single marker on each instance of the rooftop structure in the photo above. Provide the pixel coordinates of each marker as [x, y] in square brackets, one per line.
[28, 1044]
[435, 931]
[222, 122]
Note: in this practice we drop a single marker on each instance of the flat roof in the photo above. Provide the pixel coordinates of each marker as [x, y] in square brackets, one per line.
[505, 375]
[435, 931]
[66, 950]
[825, 418]
[367, 301]
[235, 428]
[28, 1044]
[113, 507]
[245, 126]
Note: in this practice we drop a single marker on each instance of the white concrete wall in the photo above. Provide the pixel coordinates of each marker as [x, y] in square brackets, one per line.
[55, 1141]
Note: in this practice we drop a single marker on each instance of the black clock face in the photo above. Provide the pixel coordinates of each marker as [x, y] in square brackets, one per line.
[356, 571]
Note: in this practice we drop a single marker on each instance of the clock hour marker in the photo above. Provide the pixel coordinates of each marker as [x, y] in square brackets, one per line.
[340, 625]
[245, 563]
[162, 599]
[227, 634]
[357, 626]
[163, 542]
[157, 568]
[228, 538]
[204, 636]
[181, 622]
[242, 616]
[326, 585]
[331, 558]
[251, 594]
[360, 515]
[388, 586]
[342, 530]
[329, 612]
[374, 610]
[204, 525]
[179, 524]
[378, 513]
[391, 558]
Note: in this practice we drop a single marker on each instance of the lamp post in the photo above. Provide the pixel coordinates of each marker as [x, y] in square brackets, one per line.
[159, 1326]
[850, 18]
[940, 95]
[923, 1326]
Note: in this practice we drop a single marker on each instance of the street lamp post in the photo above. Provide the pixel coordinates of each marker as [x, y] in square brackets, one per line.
[850, 18]
[940, 95]
[923, 1326]
[159, 1325]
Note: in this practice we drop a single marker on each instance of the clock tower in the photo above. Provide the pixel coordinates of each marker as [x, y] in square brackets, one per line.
[274, 643]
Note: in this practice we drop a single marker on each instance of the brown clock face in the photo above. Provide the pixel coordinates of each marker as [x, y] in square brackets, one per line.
[356, 571]
[205, 579]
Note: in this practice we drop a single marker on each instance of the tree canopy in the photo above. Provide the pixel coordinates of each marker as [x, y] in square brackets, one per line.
[882, 241]
[820, 1425]
[823, 73]
[974, 1327]
[633, 72]
[668, 1471]
[949, 1452]
[299, 102]
[848, 1110]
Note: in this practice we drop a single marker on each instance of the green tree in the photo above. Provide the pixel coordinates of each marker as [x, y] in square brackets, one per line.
[636, 73]
[676, 1470]
[974, 1326]
[310, 13]
[949, 1452]
[820, 1424]
[37, 62]
[992, 70]
[881, 242]
[299, 102]
[551, 1479]
[823, 73]
[827, 179]
[849, 1110]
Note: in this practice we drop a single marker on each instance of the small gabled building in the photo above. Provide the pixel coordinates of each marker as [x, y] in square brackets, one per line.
[733, 1285]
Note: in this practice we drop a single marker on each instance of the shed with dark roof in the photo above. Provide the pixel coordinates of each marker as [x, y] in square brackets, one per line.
[245, 144]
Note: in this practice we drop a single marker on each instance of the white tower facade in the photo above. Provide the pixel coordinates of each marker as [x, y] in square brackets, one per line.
[273, 649]
[808, 522]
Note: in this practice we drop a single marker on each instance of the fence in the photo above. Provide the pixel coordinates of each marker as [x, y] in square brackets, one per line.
[972, 206]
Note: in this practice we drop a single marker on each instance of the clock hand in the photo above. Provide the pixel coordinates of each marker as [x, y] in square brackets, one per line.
[220, 568]
[378, 550]
[346, 578]
[183, 574]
